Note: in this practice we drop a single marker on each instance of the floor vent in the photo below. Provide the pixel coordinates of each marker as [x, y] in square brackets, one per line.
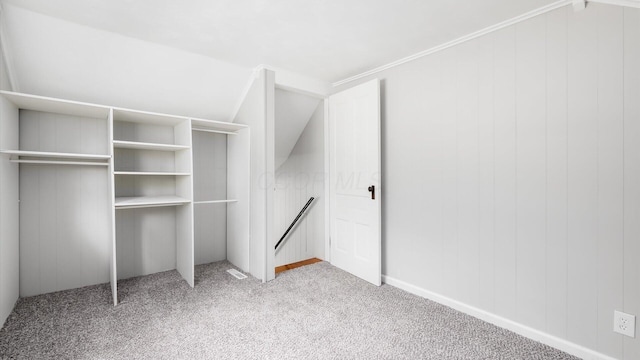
[237, 274]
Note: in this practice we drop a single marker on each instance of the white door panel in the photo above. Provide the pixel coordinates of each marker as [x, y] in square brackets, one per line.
[354, 116]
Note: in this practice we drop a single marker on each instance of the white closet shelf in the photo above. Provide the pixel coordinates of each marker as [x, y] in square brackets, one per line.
[149, 201]
[216, 126]
[58, 155]
[54, 162]
[146, 117]
[215, 201]
[121, 144]
[151, 173]
[46, 104]
[213, 131]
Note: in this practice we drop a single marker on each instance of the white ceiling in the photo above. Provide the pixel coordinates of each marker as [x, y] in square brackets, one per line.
[196, 57]
[323, 39]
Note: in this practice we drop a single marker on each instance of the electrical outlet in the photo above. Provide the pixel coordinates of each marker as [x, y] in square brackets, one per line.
[624, 324]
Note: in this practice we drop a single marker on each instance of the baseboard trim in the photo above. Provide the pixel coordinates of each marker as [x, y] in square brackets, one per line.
[528, 332]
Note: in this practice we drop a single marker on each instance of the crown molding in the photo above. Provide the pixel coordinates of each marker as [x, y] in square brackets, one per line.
[625, 3]
[487, 30]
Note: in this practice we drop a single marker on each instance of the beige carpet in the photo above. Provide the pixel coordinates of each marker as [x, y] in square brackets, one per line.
[313, 312]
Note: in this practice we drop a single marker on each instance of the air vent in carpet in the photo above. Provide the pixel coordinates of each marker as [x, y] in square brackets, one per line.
[237, 274]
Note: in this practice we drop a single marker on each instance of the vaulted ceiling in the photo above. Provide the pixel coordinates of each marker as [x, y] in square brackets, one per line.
[137, 52]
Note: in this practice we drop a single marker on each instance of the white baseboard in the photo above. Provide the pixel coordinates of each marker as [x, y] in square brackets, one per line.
[528, 332]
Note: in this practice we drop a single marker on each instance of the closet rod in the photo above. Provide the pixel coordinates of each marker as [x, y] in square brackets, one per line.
[49, 162]
[214, 131]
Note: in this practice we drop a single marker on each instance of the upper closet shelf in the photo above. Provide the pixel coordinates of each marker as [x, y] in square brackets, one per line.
[120, 144]
[46, 104]
[145, 117]
[216, 126]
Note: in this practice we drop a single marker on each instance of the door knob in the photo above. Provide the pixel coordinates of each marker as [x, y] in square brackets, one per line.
[372, 190]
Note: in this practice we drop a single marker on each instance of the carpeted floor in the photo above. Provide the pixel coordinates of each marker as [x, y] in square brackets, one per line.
[313, 312]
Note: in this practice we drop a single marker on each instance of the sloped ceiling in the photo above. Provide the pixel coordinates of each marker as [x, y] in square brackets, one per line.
[56, 58]
[292, 113]
[195, 57]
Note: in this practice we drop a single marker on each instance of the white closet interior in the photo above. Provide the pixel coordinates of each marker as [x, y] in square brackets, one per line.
[108, 193]
[210, 195]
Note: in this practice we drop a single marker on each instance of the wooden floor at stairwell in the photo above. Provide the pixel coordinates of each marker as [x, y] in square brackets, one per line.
[298, 264]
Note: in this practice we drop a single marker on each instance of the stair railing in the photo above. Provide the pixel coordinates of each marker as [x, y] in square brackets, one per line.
[300, 214]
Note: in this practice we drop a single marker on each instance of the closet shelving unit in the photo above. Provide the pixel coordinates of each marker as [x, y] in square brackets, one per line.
[61, 154]
[107, 193]
[153, 187]
[137, 160]
[214, 197]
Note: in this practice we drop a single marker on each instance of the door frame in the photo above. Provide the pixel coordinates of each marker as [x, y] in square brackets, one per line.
[270, 253]
[327, 182]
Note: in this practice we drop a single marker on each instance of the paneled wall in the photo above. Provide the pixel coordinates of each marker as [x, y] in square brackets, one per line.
[511, 166]
[209, 183]
[300, 177]
[64, 210]
[146, 241]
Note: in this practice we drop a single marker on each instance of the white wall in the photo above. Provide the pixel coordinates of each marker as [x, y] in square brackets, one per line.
[257, 112]
[300, 177]
[511, 166]
[9, 210]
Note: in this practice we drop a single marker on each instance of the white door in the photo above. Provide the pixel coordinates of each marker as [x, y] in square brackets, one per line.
[354, 133]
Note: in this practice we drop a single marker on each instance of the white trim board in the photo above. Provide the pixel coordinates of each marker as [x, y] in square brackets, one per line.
[542, 10]
[302, 84]
[523, 330]
[627, 3]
